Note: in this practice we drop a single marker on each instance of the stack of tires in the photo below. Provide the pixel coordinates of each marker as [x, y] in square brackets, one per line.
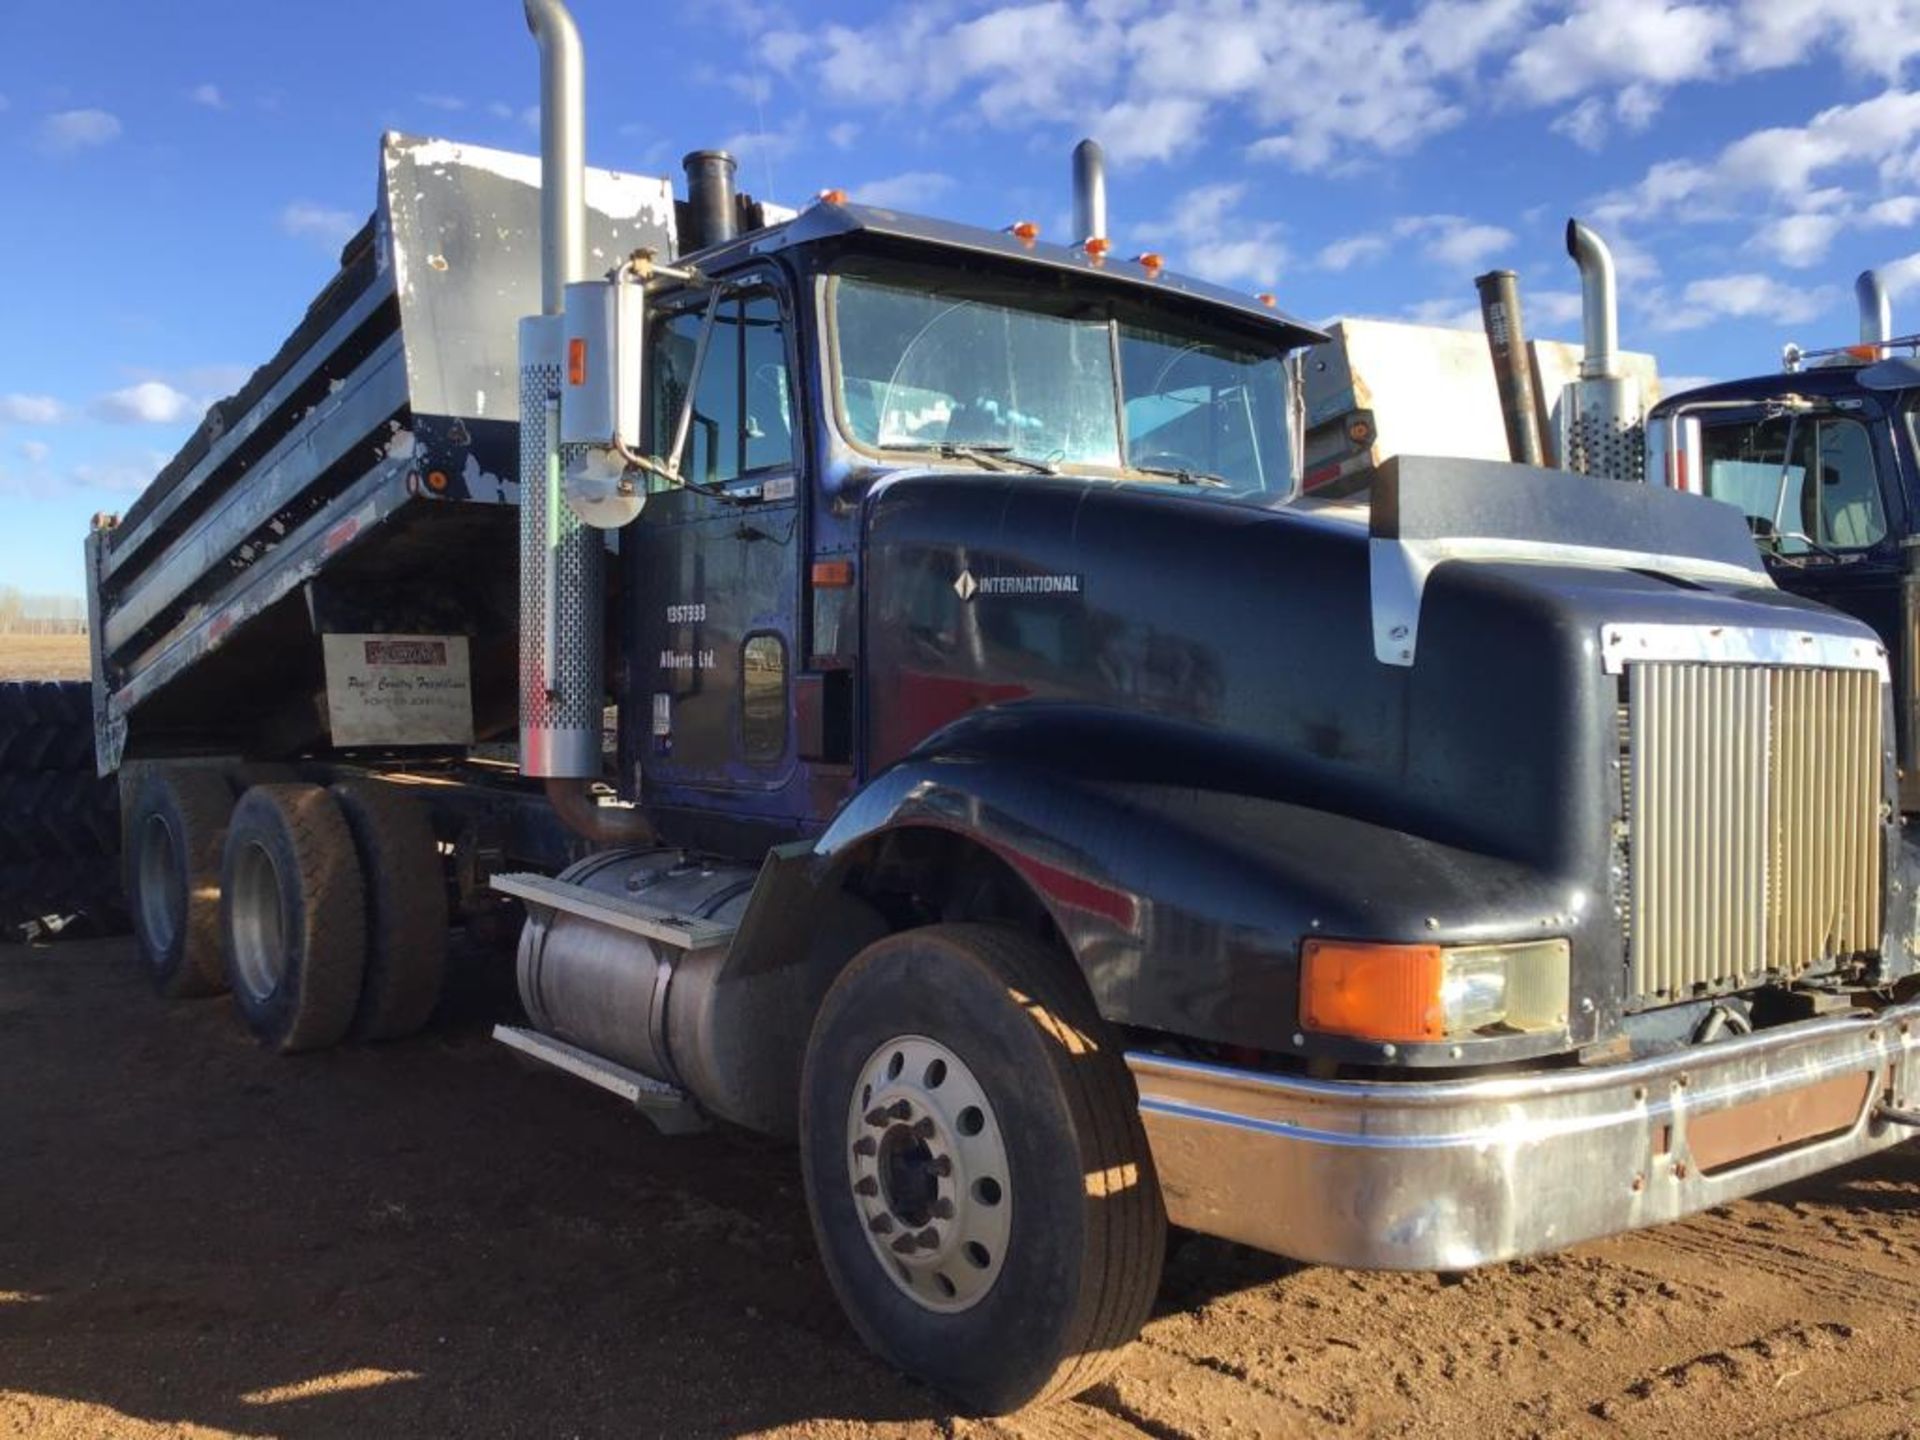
[59, 822]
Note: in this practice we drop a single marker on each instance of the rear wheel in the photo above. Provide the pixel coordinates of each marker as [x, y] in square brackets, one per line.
[293, 917]
[406, 895]
[979, 1181]
[174, 840]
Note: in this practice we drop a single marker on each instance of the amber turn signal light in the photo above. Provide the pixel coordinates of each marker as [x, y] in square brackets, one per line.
[1373, 991]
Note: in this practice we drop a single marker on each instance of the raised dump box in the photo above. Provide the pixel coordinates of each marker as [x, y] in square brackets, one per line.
[360, 484]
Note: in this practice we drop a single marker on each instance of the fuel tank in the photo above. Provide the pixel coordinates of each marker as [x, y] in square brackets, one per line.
[618, 994]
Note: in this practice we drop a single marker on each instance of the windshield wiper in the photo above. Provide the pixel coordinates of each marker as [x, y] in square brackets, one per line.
[1187, 477]
[989, 455]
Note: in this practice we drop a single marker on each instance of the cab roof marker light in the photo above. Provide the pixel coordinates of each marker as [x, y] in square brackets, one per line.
[1025, 231]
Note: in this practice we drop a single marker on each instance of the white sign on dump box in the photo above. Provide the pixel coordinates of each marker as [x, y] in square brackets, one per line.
[399, 690]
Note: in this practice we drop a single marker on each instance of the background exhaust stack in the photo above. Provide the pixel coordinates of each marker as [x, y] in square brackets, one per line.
[1512, 366]
[1089, 191]
[1876, 312]
[712, 212]
[1602, 425]
[562, 685]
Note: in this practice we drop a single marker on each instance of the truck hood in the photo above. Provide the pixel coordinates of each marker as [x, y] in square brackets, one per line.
[1434, 665]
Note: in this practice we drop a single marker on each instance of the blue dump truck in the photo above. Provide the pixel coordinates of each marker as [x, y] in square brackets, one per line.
[891, 668]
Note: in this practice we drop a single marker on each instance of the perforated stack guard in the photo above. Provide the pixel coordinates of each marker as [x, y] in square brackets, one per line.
[1603, 429]
[562, 583]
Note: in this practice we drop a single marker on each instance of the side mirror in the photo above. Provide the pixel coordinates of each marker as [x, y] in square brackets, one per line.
[602, 388]
[1673, 453]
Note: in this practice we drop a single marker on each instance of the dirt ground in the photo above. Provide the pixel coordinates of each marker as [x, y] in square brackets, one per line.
[44, 657]
[428, 1239]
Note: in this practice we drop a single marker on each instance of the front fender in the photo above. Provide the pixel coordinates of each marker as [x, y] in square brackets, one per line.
[1185, 895]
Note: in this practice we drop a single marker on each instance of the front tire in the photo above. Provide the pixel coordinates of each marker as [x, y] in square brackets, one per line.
[293, 917]
[978, 1178]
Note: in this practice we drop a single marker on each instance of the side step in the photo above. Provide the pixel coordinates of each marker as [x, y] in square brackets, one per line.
[671, 1110]
[686, 932]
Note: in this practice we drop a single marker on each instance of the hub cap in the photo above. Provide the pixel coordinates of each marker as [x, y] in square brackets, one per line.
[928, 1166]
[162, 895]
[259, 945]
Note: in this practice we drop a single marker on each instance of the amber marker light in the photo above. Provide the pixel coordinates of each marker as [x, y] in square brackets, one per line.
[1373, 991]
[576, 362]
[436, 480]
[1025, 231]
[1097, 247]
[1266, 298]
[832, 197]
[1150, 261]
[832, 574]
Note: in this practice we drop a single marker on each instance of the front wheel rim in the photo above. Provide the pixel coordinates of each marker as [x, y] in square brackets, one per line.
[927, 1166]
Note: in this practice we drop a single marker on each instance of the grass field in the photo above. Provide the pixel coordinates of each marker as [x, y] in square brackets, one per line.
[43, 657]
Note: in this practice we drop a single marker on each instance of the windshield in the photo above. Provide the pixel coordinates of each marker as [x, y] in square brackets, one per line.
[964, 365]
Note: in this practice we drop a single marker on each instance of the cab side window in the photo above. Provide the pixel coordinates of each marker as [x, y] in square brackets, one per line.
[742, 398]
[1802, 485]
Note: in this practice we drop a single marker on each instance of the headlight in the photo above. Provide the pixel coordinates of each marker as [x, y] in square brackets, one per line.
[1433, 992]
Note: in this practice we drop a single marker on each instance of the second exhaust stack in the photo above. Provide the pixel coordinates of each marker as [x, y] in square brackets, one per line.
[1602, 422]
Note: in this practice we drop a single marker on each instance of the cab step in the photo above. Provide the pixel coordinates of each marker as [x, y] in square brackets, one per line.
[670, 1108]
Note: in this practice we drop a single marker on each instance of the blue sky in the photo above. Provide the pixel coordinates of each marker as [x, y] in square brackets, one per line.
[179, 178]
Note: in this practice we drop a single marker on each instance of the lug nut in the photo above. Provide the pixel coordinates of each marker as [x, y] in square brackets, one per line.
[943, 1209]
[929, 1238]
[900, 1110]
[923, 1127]
[905, 1245]
[866, 1185]
[881, 1224]
[942, 1166]
[877, 1116]
[866, 1145]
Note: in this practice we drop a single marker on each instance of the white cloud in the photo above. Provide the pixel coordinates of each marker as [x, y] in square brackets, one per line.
[1446, 312]
[1745, 296]
[1156, 129]
[331, 228]
[1206, 235]
[35, 451]
[151, 402]
[1677, 384]
[1620, 42]
[1549, 309]
[127, 475]
[207, 95]
[68, 131]
[1585, 124]
[21, 409]
[842, 135]
[1898, 211]
[448, 103]
[783, 49]
[1798, 240]
[1354, 250]
[912, 190]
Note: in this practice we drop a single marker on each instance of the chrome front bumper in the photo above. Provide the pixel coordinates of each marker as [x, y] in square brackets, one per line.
[1444, 1175]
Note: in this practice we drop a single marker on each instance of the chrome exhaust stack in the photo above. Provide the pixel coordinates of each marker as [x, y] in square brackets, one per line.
[1089, 192]
[562, 561]
[1602, 423]
[1876, 312]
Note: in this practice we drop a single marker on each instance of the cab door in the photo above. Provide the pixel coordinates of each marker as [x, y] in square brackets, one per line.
[713, 567]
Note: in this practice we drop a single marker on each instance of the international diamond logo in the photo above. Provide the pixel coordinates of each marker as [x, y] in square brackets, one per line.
[965, 585]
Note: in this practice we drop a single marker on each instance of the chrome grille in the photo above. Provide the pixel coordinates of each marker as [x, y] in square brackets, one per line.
[1753, 815]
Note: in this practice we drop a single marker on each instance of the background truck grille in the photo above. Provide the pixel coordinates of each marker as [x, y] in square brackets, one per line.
[1753, 821]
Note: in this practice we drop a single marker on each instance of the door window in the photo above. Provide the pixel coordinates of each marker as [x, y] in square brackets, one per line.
[742, 398]
[1803, 485]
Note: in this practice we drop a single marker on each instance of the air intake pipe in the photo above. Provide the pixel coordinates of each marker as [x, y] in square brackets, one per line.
[562, 562]
[713, 213]
[1876, 311]
[1512, 363]
[1089, 191]
[1600, 428]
